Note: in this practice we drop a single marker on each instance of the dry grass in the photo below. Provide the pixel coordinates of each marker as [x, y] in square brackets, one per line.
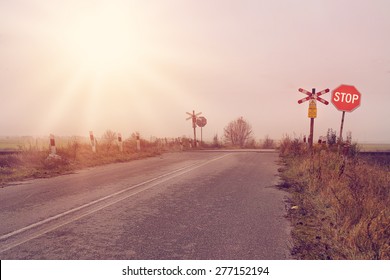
[342, 205]
[75, 155]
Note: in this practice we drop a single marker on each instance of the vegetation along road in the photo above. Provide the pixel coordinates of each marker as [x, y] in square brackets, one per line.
[190, 205]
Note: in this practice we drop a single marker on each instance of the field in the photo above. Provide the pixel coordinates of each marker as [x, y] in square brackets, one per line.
[366, 147]
[25, 143]
[378, 158]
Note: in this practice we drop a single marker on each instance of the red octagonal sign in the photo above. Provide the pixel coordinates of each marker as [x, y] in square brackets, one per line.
[346, 98]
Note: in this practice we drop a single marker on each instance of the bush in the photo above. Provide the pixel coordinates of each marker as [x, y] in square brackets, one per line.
[268, 143]
[292, 147]
[9, 160]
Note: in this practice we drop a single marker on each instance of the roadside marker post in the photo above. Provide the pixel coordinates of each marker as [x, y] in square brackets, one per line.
[120, 142]
[93, 142]
[53, 149]
[138, 143]
[312, 111]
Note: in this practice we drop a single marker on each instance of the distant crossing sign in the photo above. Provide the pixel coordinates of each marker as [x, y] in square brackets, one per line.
[193, 116]
[201, 121]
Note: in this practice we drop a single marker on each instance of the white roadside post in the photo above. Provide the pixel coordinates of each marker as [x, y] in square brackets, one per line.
[181, 144]
[138, 143]
[120, 142]
[93, 143]
[53, 150]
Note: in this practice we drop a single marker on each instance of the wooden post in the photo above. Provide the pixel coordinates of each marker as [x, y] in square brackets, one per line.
[194, 126]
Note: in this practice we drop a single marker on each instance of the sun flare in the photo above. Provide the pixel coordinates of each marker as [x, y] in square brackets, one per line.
[111, 65]
[104, 41]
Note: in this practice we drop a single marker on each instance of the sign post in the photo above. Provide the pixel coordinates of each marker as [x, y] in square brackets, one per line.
[345, 98]
[312, 111]
[193, 117]
[201, 122]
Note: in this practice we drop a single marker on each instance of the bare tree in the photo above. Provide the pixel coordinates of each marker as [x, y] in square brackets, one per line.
[268, 143]
[216, 143]
[109, 138]
[238, 132]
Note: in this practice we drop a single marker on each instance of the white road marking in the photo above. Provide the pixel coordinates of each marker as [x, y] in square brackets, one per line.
[165, 177]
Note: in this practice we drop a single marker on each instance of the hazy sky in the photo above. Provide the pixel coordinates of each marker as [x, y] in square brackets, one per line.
[67, 67]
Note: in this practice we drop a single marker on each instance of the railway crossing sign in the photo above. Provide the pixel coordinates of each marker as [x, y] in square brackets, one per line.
[193, 116]
[312, 112]
[313, 95]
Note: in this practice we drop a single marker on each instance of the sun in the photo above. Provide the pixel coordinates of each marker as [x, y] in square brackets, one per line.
[104, 41]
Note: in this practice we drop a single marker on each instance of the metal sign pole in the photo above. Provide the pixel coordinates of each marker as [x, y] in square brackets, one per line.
[313, 92]
[201, 136]
[341, 128]
[311, 133]
[194, 126]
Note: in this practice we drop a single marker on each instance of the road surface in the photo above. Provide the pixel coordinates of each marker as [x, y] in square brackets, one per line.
[190, 205]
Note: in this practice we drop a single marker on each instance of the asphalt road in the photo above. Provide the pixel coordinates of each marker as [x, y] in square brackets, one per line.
[190, 205]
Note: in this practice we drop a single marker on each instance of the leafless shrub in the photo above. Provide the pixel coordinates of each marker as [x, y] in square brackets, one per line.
[293, 147]
[268, 143]
[109, 138]
[238, 133]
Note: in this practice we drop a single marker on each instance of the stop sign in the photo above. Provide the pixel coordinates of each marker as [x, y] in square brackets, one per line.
[201, 121]
[346, 98]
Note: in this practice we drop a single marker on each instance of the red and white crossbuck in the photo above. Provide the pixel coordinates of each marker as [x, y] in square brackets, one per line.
[313, 95]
